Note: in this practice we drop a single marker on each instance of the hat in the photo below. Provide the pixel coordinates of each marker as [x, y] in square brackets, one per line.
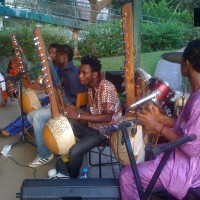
[174, 57]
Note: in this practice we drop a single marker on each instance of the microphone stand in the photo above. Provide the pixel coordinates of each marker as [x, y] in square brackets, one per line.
[23, 137]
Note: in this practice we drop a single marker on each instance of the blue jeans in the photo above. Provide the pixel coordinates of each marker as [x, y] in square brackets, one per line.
[38, 119]
[88, 139]
[15, 127]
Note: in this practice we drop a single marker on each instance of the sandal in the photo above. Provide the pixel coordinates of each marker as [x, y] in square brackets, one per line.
[2, 135]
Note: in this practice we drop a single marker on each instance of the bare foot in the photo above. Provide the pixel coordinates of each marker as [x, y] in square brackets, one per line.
[4, 133]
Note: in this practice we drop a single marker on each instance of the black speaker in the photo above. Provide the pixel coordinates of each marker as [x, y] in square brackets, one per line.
[197, 16]
[69, 189]
[116, 78]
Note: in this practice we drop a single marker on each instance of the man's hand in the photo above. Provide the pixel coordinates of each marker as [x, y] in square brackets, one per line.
[153, 109]
[149, 117]
[70, 111]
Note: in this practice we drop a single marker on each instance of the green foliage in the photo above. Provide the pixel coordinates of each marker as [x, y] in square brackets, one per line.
[170, 26]
[102, 40]
[160, 9]
[185, 4]
[24, 36]
[166, 10]
[163, 36]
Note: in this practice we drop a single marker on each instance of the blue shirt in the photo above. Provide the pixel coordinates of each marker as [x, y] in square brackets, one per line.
[55, 75]
[71, 83]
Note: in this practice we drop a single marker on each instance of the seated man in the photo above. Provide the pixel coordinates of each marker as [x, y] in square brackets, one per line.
[71, 85]
[104, 110]
[15, 127]
[181, 170]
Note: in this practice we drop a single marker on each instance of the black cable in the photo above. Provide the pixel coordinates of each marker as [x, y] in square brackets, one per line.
[34, 170]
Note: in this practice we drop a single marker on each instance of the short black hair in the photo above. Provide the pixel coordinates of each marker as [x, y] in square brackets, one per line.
[66, 49]
[93, 62]
[192, 54]
[54, 45]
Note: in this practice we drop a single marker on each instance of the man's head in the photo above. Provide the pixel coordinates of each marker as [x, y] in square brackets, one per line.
[64, 55]
[90, 70]
[52, 51]
[191, 57]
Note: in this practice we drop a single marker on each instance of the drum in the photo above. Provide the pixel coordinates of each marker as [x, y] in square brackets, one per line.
[166, 91]
[177, 95]
[118, 145]
[179, 103]
[143, 74]
[141, 80]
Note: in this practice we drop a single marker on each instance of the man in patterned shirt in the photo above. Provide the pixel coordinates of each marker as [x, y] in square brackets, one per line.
[104, 110]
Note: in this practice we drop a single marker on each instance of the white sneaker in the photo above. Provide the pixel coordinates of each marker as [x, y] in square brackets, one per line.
[37, 162]
[52, 173]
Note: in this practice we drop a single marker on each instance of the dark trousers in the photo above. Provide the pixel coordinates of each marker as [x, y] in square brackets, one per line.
[88, 138]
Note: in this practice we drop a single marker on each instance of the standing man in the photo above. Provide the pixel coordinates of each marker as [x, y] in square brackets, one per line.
[104, 110]
[182, 166]
[38, 118]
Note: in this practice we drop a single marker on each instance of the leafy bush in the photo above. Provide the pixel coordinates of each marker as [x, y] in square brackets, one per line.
[169, 27]
[24, 36]
[165, 10]
[163, 36]
[102, 40]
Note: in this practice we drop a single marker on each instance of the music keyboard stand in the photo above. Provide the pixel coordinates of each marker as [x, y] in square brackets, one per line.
[167, 149]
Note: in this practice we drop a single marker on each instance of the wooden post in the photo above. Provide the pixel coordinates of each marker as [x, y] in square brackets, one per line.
[137, 24]
[75, 36]
[127, 26]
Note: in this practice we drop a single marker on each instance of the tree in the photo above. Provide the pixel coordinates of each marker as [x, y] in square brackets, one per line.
[184, 4]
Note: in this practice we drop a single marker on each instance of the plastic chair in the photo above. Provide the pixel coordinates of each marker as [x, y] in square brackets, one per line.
[82, 99]
[100, 151]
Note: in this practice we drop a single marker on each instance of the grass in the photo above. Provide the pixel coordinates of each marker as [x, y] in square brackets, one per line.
[148, 62]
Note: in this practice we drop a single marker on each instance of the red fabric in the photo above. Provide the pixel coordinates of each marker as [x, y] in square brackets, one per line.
[4, 94]
[14, 68]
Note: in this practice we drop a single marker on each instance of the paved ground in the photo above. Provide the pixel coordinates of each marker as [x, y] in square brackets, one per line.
[15, 169]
